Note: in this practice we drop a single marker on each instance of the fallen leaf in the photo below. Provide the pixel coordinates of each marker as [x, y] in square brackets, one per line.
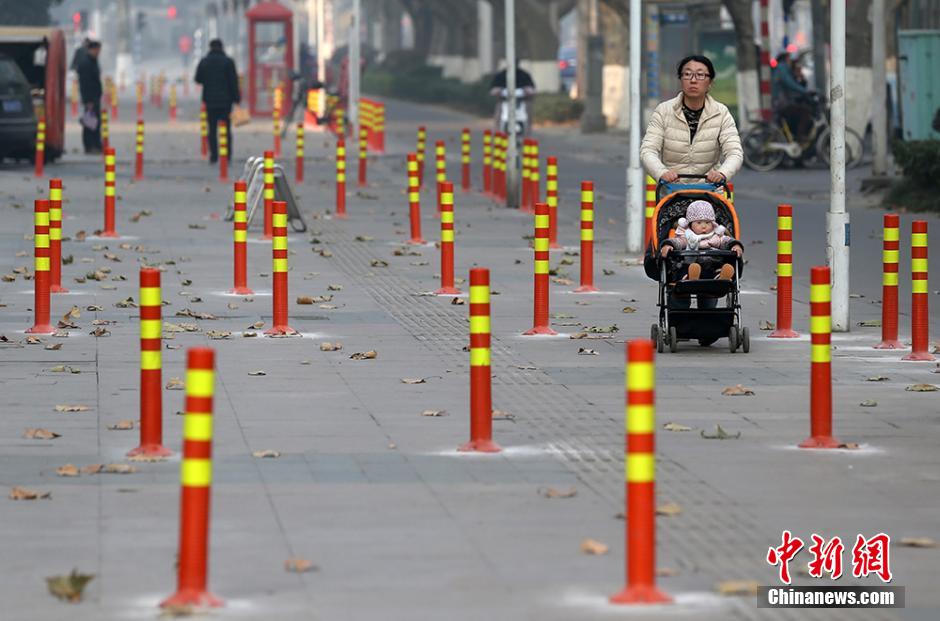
[737, 391]
[594, 547]
[33, 340]
[328, 306]
[119, 469]
[502, 415]
[249, 334]
[146, 458]
[918, 542]
[364, 238]
[218, 334]
[608, 272]
[38, 433]
[99, 332]
[266, 454]
[551, 492]
[871, 323]
[72, 408]
[256, 325]
[232, 305]
[8, 278]
[378, 263]
[331, 346]
[122, 425]
[877, 378]
[68, 470]
[194, 314]
[61, 368]
[325, 253]
[305, 299]
[110, 256]
[434, 413]
[92, 468]
[198, 227]
[765, 325]
[720, 434]
[334, 287]
[69, 588]
[921, 388]
[298, 565]
[257, 373]
[23, 493]
[563, 281]
[458, 301]
[628, 309]
[868, 403]
[584, 351]
[738, 587]
[670, 509]
[175, 383]
[368, 355]
[413, 380]
[852, 446]
[602, 329]
[676, 427]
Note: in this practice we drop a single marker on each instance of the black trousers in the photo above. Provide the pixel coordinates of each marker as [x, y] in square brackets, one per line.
[214, 116]
[91, 139]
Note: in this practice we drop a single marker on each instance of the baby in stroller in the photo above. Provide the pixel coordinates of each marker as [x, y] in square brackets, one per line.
[698, 230]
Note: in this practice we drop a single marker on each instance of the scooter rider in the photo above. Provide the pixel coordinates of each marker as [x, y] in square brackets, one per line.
[523, 81]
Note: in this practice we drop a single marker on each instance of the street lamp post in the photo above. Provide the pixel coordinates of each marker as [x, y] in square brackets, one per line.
[353, 67]
[635, 217]
[512, 173]
[837, 220]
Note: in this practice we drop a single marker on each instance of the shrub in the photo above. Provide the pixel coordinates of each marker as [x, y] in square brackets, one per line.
[920, 160]
[556, 108]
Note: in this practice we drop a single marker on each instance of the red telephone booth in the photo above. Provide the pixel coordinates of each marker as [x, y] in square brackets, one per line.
[270, 55]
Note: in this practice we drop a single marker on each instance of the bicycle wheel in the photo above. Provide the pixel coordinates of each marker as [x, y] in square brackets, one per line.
[757, 154]
[854, 147]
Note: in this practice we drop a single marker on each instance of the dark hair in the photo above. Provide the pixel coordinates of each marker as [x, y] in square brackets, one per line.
[93, 45]
[215, 44]
[699, 59]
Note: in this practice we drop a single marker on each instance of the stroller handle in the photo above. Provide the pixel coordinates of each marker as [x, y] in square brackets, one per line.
[723, 184]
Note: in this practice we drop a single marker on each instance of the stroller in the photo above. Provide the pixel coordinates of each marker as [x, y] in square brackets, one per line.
[678, 319]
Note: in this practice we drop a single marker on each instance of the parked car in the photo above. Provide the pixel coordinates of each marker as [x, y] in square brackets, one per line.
[17, 119]
[567, 67]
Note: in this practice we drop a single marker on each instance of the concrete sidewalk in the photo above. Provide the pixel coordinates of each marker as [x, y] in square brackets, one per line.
[399, 524]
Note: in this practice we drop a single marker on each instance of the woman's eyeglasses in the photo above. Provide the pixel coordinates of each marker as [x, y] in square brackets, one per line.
[688, 76]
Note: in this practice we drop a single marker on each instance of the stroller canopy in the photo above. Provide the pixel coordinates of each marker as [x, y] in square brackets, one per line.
[673, 206]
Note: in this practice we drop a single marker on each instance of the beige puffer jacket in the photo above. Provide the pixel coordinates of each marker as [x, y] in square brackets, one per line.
[666, 143]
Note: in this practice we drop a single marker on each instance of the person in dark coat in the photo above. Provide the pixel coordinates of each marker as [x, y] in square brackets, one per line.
[89, 86]
[216, 72]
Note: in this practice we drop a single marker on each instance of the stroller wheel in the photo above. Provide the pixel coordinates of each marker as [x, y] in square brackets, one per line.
[657, 336]
[673, 340]
[745, 340]
[733, 339]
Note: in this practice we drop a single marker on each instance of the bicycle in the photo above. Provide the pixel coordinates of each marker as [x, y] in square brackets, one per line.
[768, 143]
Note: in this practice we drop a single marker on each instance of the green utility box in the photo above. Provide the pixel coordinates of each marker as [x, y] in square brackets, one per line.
[919, 56]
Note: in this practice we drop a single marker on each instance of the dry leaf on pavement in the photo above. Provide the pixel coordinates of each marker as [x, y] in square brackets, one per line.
[256, 326]
[434, 413]
[458, 301]
[738, 587]
[333, 287]
[584, 351]
[869, 403]
[872, 323]
[304, 299]
[23, 493]
[378, 263]
[921, 388]
[413, 380]
[502, 415]
[918, 542]
[367, 355]
[594, 547]
[720, 434]
[567, 282]
[737, 391]
[70, 587]
[676, 427]
[669, 509]
[602, 329]
[122, 425]
[551, 492]
[62, 368]
[98, 332]
[877, 378]
[175, 383]
[766, 325]
[266, 454]
[146, 458]
[299, 565]
[38, 433]
[331, 346]
[54, 346]
[119, 469]
[72, 408]
[92, 468]
[218, 334]
[257, 373]
[68, 470]
[628, 309]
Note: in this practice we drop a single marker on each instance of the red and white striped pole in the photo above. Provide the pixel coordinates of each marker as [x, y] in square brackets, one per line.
[640, 478]
[55, 236]
[240, 233]
[481, 387]
[139, 159]
[891, 247]
[40, 155]
[540, 321]
[920, 318]
[110, 179]
[446, 208]
[299, 146]
[151, 366]
[196, 484]
[340, 177]
[487, 162]
[551, 198]
[587, 238]
[268, 196]
[465, 159]
[414, 200]
[820, 380]
[41, 282]
[784, 274]
[279, 276]
[766, 110]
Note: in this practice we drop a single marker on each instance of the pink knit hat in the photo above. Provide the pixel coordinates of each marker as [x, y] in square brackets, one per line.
[700, 210]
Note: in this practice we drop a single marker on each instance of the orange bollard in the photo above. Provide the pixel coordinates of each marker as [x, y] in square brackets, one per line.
[465, 160]
[279, 275]
[446, 208]
[650, 207]
[74, 98]
[40, 156]
[340, 122]
[440, 166]
[203, 132]
[422, 138]
[481, 387]
[55, 237]
[114, 101]
[891, 247]
[503, 144]
[487, 162]
[381, 128]
[414, 200]
[535, 179]
[240, 233]
[340, 177]
[41, 282]
[526, 204]
[540, 322]
[105, 130]
[640, 478]
[820, 380]
[920, 319]
[140, 100]
[139, 159]
[299, 149]
[551, 198]
[587, 238]
[363, 155]
[223, 150]
[109, 193]
[784, 274]
[268, 195]
[196, 484]
[172, 102]
[151, 366]
[276, 122]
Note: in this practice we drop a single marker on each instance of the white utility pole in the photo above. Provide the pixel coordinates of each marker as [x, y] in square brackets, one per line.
[837, 220]
[879, 119]
[512, 172]
[485, 36]
[635, 216]
[321, 54]
[354, 71]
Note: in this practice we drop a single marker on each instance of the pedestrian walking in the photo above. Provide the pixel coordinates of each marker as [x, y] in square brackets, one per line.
[692, 133]
[216, 72]
[89, 85]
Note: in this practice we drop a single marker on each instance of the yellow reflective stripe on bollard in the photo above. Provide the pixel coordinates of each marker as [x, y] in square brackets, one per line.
[785, 247]
[587, 215]
[151, 328]
[918, 239]
[42, 264]
[241, 236]
[479, 324]
[587, 196]
[240, 197]
[919, 286]
[109, 190]
[479, 356]
[447, 236]
[200, 382]
[279, 243]
[820, 324]
[480, 294]
[41, 218]
[541, 244]
[447, 217]
[55, 194]
[641, 376]
[279, 220]
[414, 197]
[890, 279]
[640, 468]
[890, 256]
[196, 472]
[541, 222]
[819, 293]
[587, 234]
[42, 241]
[641, 419]
[197, 426]
[541, 267]
[150, 360]
[785, 223]
[892, 234]
[280, 265]
[785, 270]
[551, 185]
[150, 296]
[821, 353]
[918, 265]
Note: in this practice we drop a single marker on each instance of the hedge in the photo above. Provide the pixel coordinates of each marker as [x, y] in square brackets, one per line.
[920, 161]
